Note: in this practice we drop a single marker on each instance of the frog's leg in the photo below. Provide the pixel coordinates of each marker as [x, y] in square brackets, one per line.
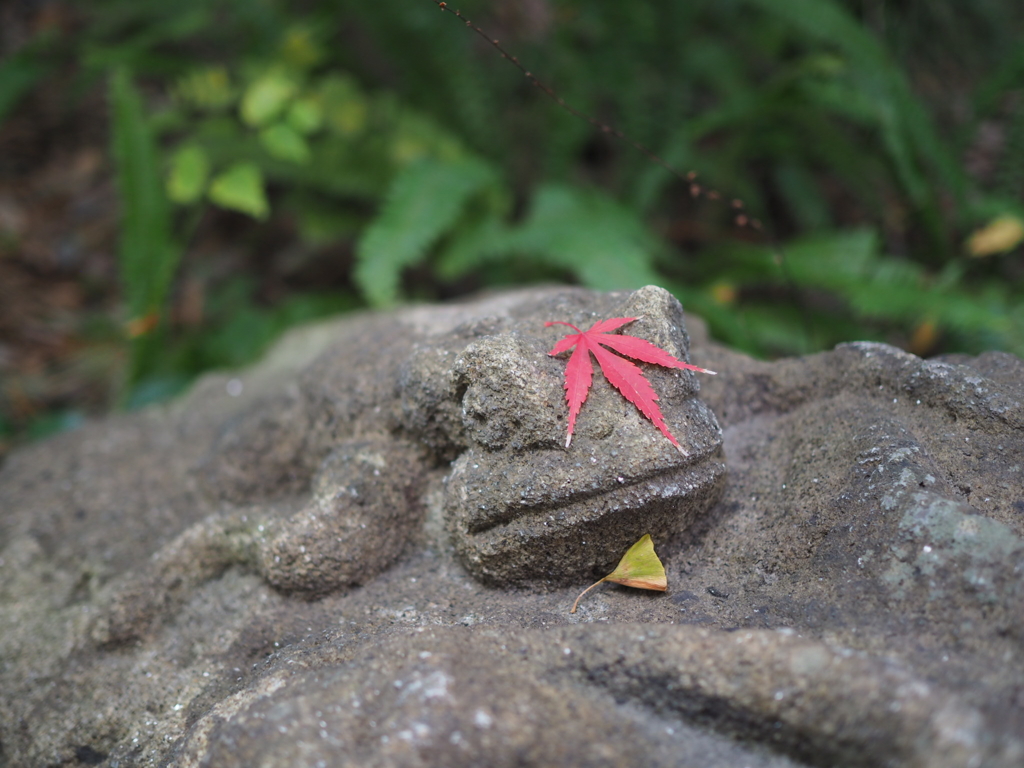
[200, 553]
[363, 507]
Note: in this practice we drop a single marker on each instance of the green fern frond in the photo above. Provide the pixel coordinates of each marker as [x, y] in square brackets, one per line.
[424, 201]
[605, 245]
[914, 149]
[147, 257]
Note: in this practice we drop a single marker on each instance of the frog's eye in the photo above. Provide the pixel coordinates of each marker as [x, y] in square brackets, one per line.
[511, 394]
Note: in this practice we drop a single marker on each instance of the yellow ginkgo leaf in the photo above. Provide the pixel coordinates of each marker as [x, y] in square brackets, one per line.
[639, 567]
[1001, 234]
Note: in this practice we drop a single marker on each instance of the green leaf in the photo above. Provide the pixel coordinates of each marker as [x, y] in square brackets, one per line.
[301, 48]
[603, 243]
[306, 115]
[207, 88]
[907, 134]
[18, 75]
[639, 568]
[147, 256]
[345, 108]
[424, 201]
[190, 169]
[240, 188]
[285, 143]
[266, 98]
[833, 259]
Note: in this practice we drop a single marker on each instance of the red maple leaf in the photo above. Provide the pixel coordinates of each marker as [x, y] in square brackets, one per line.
[620, 373]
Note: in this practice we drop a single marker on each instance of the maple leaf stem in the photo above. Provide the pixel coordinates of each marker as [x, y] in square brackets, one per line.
[561, 322]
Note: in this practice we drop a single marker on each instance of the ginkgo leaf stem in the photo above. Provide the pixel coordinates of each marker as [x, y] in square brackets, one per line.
[574, 605]
[639, 568]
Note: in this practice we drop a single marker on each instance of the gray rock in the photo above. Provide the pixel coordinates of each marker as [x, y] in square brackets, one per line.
[449, 698]
[329, 567]
[521, 510]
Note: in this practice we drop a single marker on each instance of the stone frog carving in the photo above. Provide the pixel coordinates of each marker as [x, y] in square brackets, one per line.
[320, 485]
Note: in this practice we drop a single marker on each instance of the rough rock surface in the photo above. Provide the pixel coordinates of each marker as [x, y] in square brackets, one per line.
[302, 575]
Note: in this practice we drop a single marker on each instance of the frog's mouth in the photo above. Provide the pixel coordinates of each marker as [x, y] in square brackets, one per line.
[550, 517]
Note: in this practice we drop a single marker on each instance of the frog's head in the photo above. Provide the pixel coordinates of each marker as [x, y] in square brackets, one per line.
[521, 507]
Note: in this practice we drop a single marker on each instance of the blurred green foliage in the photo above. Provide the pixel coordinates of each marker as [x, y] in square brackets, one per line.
[148, 256]
[847, 127]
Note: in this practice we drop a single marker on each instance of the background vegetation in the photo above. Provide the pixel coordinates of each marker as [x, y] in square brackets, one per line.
[278, 161]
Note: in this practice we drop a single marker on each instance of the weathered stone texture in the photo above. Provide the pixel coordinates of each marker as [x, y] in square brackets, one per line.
[367, 558]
